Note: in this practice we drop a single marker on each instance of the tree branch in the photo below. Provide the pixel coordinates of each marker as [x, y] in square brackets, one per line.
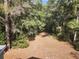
[2, 19]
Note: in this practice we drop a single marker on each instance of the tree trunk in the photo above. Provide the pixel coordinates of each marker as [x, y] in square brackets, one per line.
[7, 32]
[75, 35]
[8, 26]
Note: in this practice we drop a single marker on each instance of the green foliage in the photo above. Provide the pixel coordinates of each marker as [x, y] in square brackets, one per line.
[35, 22]
[2, 41]
[76, 45]
[20, 42]
[33, 25]
[73, 24]
[1, 9]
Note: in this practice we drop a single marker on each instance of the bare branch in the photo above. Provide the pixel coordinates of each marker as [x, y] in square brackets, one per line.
[2, 18]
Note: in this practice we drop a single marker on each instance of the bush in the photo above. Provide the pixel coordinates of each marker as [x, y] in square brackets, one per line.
[76, 45]
[20, 42]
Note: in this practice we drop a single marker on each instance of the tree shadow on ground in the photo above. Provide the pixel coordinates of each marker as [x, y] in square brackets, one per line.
[42, 34]
[33, 58]
[31, 38]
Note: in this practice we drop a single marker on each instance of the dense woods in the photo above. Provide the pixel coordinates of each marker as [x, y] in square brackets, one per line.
[20, 19]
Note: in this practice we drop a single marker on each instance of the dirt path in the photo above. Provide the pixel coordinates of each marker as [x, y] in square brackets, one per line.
[42, 48]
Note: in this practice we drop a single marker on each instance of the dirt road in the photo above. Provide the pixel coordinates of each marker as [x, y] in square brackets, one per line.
[42, 48]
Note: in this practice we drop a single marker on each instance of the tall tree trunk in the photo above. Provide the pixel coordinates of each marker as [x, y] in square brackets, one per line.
[7, 32]
[7, 25]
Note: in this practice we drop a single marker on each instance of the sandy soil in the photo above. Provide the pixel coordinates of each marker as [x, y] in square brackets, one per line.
[43, 48]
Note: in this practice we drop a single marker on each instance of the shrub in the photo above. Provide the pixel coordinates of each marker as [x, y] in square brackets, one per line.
[20, 42]
[76, 45]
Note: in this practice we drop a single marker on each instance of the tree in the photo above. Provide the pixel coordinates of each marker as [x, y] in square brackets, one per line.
[74, 24]
[8, 24]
